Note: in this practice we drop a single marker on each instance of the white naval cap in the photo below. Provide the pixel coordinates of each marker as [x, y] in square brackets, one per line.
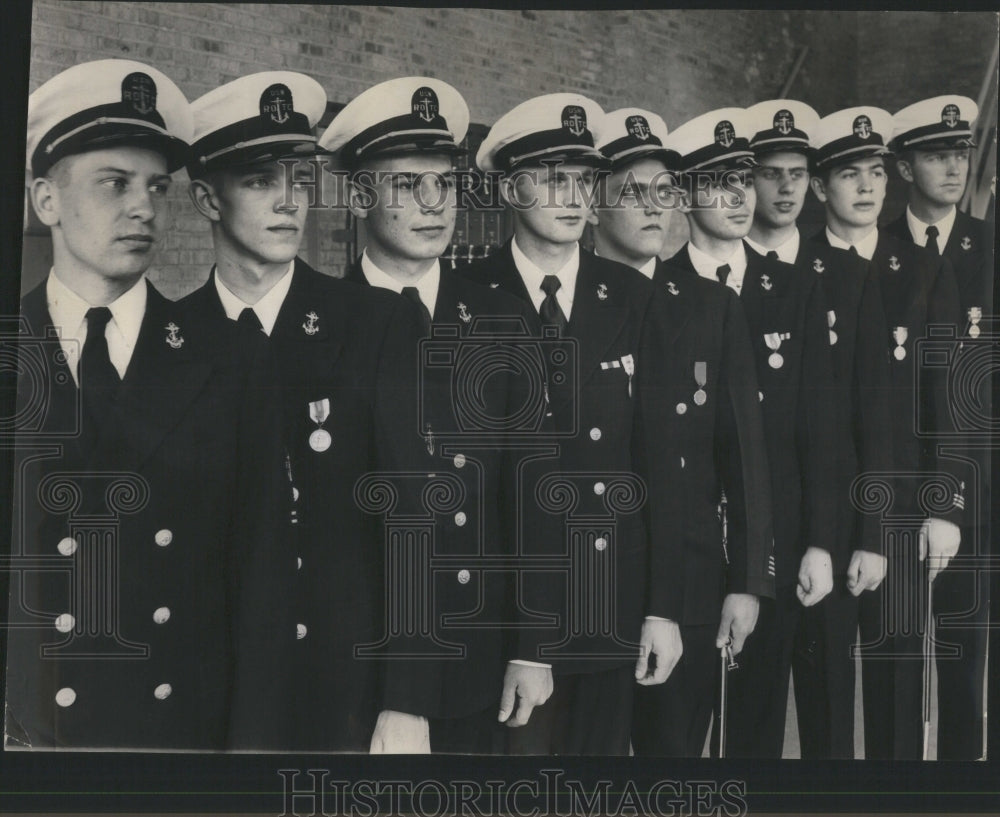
[629, 134]
[552, 127]
[396, 117]
[259, 117]
[939, 122]
[851, 133]
[781, 125]
[719, 138]
[106, 103]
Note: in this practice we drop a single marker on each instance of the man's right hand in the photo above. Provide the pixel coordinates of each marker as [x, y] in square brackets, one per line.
[526, 685]
[865, 572]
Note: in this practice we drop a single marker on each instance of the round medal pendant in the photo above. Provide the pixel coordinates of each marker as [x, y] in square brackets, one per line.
[899, 353]
[700, 397]
[833, 337]
[974, 331]
[775, 361]
[320, 440]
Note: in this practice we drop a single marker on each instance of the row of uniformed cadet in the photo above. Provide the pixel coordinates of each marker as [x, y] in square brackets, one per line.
[684, 393]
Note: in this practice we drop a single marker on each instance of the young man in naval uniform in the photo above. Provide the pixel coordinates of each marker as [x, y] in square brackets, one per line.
[342, 353]
[932, 141]
[398, 140]
[712, 435]
[918, 290]
[587, 506]
[822, 660]
[791, 352]
[148, 494]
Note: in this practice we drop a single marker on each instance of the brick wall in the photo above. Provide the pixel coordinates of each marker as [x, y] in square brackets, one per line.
[679, 63]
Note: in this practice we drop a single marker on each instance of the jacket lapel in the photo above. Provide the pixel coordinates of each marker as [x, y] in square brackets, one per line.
[160, 383]
[307, 318]
[678, 298]
[61, 404]
[504, 273]
[595, 322]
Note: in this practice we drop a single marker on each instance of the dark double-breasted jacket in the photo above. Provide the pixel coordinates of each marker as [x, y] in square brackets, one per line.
[584, 526]
[853, 306]
[148, 602]
[345, 361]
[475, 420]
[709, 441]
[791, 353]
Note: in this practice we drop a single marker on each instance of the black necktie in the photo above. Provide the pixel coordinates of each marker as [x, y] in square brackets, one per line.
[99, 379]
[249, 318]
[852, 250]
[425, 314]
[932, 234]
[722, 273]
[772, 255]
[550, 310]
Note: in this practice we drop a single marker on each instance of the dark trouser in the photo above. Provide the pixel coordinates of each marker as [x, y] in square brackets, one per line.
[891, 621]
[477, 734]
[757, 690]
[961, 609]
[823, 667]
[587, 714]
[672, 718]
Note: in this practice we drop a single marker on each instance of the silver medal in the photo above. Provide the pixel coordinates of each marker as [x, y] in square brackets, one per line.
[775, 361]
[899, 353]
[320, 440]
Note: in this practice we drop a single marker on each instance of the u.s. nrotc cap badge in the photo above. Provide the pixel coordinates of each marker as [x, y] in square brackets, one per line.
[853, 133]
[638, 126]
[781, 125]
[574, 119]
[104, 104]
[406, 115]
[725, 133]
[629, 134]
[425, 104]
[549, 128]
[261, 117]
[276, 103]
[139, 91]
[717, 139]
[940, 122]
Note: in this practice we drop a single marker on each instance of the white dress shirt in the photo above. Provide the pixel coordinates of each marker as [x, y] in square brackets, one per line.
[68, 312]
[266, 309]
[707, 266]
[787, 251]
[865, 247]
[532, 275]
[918, 228]
[427, 285]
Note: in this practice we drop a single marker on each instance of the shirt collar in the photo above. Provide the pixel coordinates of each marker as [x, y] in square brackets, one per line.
[533, 275]
[788, 251]
[918, 228]
[266, 309]
[427, 285]
[68, 310]
[707, 266]
[865, 247]
[648, 269]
